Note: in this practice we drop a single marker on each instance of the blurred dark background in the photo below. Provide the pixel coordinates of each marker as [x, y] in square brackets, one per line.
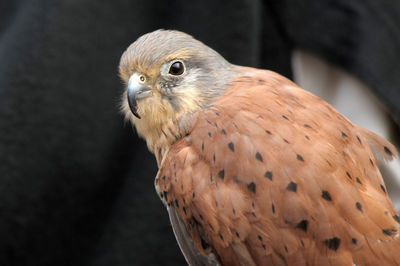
[76, 183]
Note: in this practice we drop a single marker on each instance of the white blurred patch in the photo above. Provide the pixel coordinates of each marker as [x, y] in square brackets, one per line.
[353, 99]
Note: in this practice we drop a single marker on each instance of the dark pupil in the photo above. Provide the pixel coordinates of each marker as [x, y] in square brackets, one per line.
[176, 68]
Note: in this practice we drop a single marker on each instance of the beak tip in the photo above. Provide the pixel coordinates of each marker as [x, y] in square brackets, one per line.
[133, 106]
[136, 114]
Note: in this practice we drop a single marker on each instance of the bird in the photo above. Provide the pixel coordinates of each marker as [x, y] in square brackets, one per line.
[252, 169]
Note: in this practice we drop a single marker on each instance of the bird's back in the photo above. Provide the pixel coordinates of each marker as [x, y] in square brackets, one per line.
[271, 174]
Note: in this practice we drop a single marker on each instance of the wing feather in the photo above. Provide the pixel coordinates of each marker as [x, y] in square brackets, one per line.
[271, 174]
[192, 255]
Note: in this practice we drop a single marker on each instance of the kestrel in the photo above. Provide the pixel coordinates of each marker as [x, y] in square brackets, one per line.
[253, 170]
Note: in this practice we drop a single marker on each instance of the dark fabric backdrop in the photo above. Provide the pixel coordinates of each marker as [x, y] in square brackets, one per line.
[76, 184]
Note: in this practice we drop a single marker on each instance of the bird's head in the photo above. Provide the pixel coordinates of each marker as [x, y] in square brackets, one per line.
[169, 75]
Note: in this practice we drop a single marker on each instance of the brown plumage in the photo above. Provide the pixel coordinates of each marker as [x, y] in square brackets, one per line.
[253, 169]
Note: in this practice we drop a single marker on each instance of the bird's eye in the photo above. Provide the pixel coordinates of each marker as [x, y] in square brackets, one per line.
[142, 78]
[176, 68]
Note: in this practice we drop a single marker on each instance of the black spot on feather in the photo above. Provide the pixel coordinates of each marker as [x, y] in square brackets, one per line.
[389, 232]
[326, 195]
[204, 244]
[259, 157]
[212, 228]
[221, 174]
[231, 146]
[292, 186]
[388, 151]
[359, 206]
[383, 188]
[300, 158]
[371, 161]
[332, 243]
[268, 175]
[354, 241]
[344, 135]
[223, 131]
[348, 175]
[302, 225]
[252, 187]
[396, 218]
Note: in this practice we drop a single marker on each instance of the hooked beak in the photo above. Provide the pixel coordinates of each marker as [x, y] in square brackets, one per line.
[136, 91]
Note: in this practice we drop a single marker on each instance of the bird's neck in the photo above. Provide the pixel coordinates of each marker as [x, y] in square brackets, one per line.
[161, 136]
